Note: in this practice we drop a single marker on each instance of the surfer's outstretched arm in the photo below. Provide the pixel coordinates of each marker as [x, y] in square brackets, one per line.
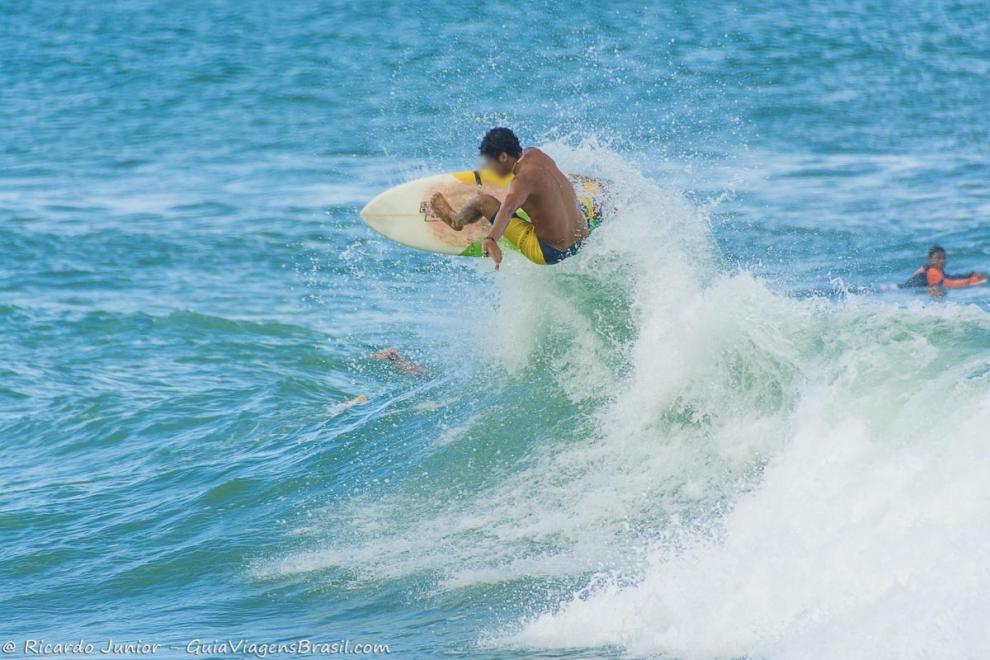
[963, 281]
[514, 199]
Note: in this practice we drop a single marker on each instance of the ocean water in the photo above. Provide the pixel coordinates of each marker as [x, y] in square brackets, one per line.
[718, 432]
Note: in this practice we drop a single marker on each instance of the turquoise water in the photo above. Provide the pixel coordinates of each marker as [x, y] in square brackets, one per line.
[716, 433]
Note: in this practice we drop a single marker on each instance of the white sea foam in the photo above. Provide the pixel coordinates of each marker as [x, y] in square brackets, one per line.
[759, 476]
[866, 534]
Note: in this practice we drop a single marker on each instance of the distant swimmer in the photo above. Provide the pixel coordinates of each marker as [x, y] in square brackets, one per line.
[933, 275]
[398, 361]
[540, 214]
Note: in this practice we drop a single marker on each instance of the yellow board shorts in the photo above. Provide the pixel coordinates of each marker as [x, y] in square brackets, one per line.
[522, 234]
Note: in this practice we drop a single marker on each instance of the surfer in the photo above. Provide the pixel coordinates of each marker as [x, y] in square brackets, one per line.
[540, 214]
[933, 275]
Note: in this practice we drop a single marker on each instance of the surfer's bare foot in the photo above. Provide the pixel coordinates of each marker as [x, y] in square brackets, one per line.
[442, 209]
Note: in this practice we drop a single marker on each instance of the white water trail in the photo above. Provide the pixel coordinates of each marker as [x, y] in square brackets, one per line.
[758, 476]
[866, 534]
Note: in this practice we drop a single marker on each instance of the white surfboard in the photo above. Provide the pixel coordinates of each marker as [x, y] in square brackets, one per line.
[403, 213]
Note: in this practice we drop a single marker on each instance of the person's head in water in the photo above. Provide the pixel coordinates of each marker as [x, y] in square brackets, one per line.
[936, 257]
[500, 150]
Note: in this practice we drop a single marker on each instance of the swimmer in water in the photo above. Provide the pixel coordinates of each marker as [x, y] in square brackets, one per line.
[933, 275]
[398, 361]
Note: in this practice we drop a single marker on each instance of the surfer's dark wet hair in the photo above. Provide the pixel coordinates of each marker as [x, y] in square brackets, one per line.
[500, 141]
[935, 249]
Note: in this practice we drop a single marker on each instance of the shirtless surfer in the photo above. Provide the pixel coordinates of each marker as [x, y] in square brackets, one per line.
[555, 227]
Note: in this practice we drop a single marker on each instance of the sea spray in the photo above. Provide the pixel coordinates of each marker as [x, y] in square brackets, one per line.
[716, 469]
[634, 388]
[864, 517]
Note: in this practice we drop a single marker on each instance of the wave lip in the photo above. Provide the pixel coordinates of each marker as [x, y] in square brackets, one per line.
[865, 534]
[678, 461]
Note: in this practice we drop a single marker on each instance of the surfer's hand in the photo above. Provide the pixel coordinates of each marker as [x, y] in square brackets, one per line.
[492, 250]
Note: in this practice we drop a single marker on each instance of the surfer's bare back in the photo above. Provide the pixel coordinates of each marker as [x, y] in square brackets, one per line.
[553, 227]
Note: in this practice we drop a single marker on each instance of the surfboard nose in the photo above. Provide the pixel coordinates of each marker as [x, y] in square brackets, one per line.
[372, 207]
[402, 214]
[375, 213]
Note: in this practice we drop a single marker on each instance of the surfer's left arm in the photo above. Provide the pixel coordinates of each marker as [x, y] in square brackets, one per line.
[962, 281]
[514, 199]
